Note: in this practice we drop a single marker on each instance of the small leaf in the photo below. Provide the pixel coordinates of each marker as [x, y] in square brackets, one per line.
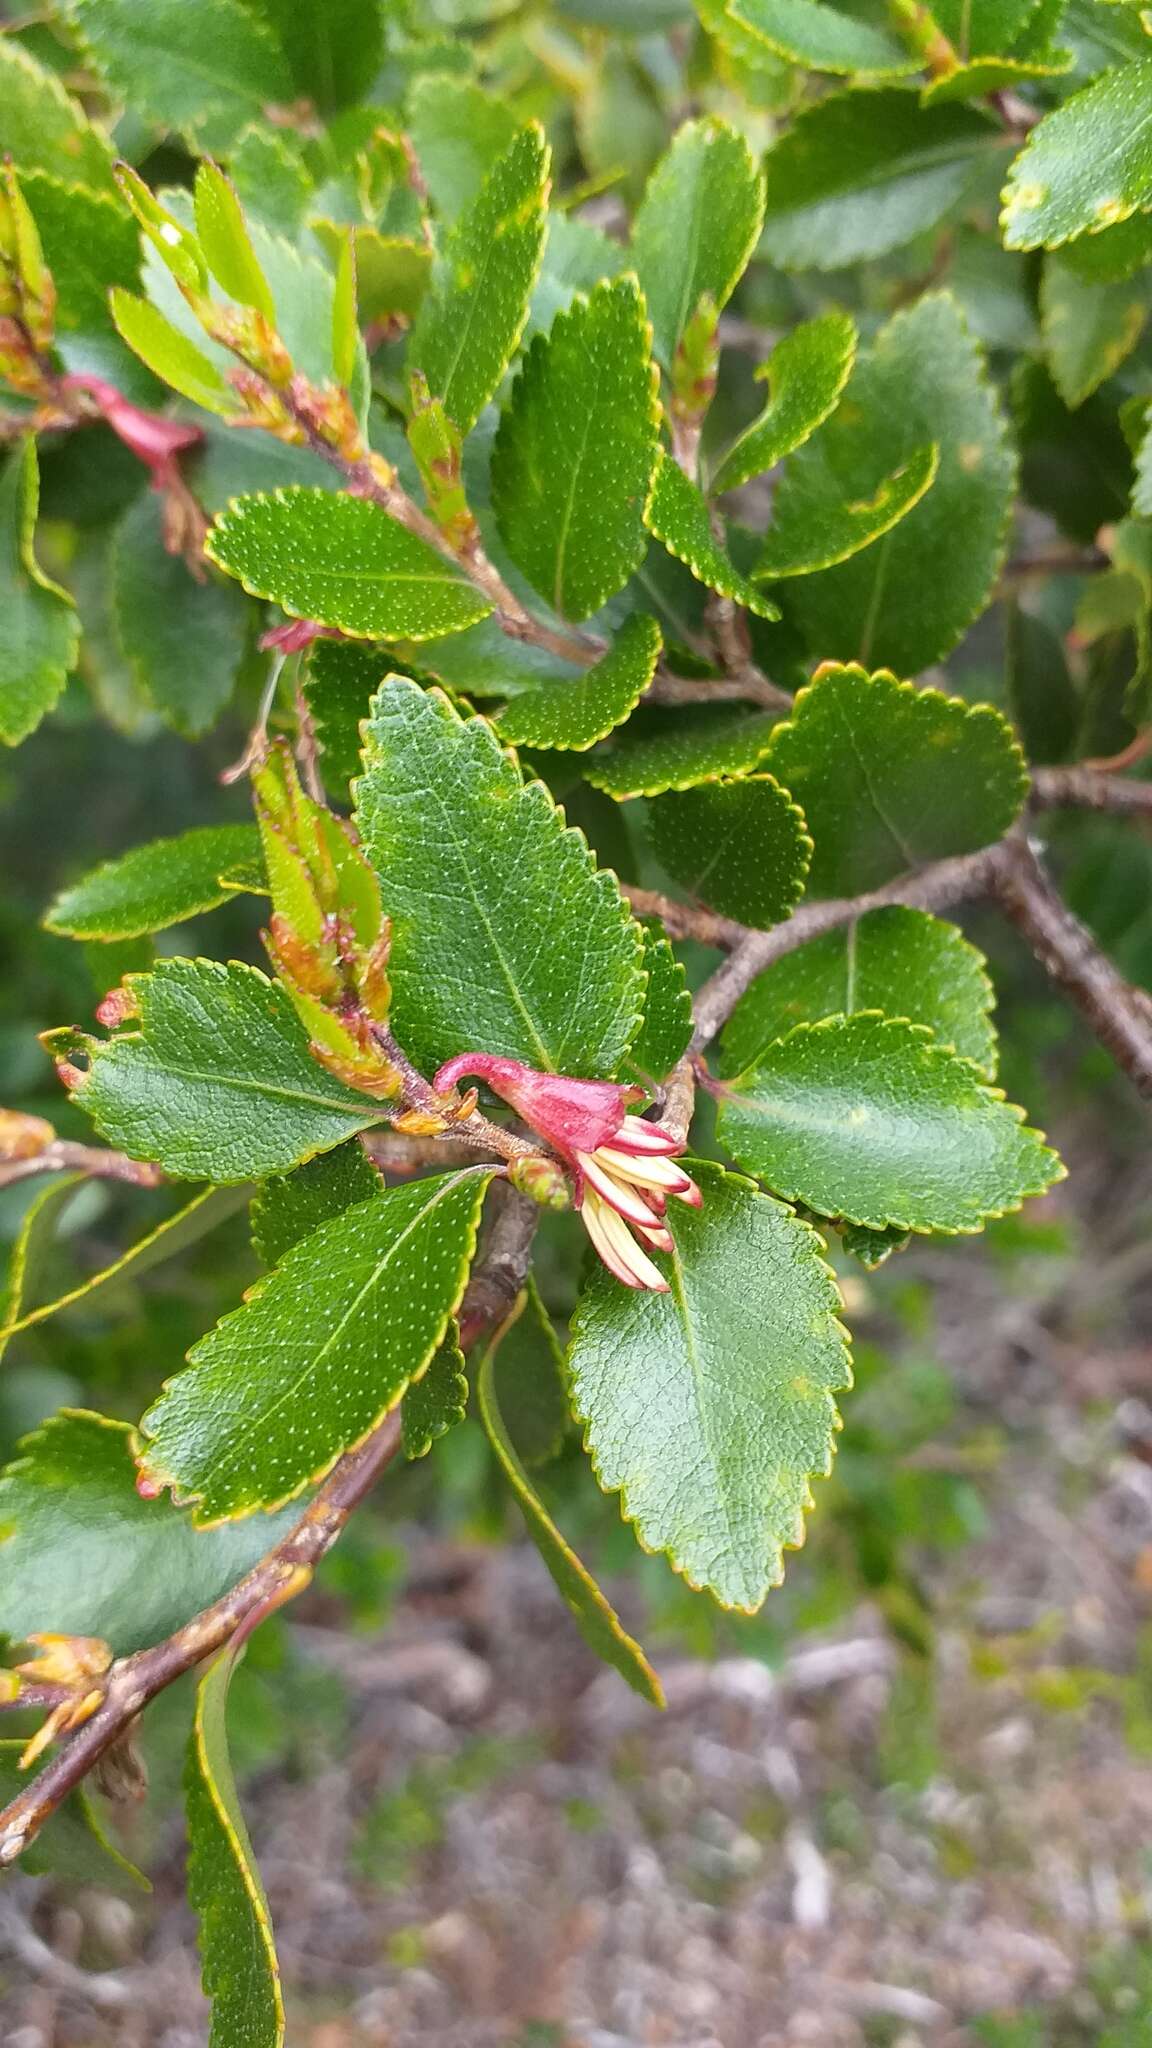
[82, 1553]
[290, 1206]
[227, 245]
[505, 936]
[901, 962]
[73, 1845]
[806, 373]
[907, 601]
[575, 451]
[820, 38]
[739, 846]
[696, 227]
[746, 1353]
[889, 776]
[1089, 327]
[44, 129]
[437, 1401]
[533, 1382]
[458, 131]
[205, 72]
[169, 354]
[472, 319]
[90, 243]
[575, 714]
[37, 1230]
[860, 173]
[334, 52]
[339, 682]
[185, 640]
[666, 1031]
[870, 1118]
[271, 177]
[345, 331]
[167, 1241]
[678, 515]
[871, 1247]
[39, 632]
[153, 886]
[241, 1975]
[812, 525]
[680, 752]
[343, 562]
[217, 1082]
[319, 1351]
[595, 1618]
[392, 271]
[1086, 166]
[1045, 704]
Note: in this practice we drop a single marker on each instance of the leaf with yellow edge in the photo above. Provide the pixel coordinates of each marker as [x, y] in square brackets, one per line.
[596, 1619]
[240, 1972]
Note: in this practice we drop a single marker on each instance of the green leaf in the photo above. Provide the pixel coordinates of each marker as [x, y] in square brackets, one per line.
[1089, 327]
[37, 1230]
[806, 374]
[1045, 704]
[746, 1353]
[577, 255]
[343, 562]
[458, 131]
[823, 39]
[901, 962]
[271, 177]
[1085, 166]
[227, 246]
[596, 1619]
[333, 50]
[339, 681]
[871, 1247]
[472, 319]
[696, 226]
[39, 633]
[889, 776]
[575, 714]
[505, 936]
[319, 1351]
[870, 1118]
[205, 71]
[185, 640]
[73, 1845]
[814, 527]
[575, 451]
[44, 128]
[908, 600]
[533, 1382]
[1114, 254]
[82, 1554]
[666, 1031]
[167, 1241]
[290, 1206]
[1142, 494]
[860, 173]
[995, 74]
[169, 354]
[682, 751]
[153, 886]
[241, 1975]
[392, 271]
[739, 846]
[678, 514]
[216, 1082]
[90, 243]
[437, 1401]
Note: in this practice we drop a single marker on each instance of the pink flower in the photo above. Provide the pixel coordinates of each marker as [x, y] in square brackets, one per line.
[623, 1166]
[156, 441]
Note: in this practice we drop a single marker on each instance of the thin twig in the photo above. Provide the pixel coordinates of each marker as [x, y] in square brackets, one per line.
[64, 1156]
[1090, 789]
[1119, 1015]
